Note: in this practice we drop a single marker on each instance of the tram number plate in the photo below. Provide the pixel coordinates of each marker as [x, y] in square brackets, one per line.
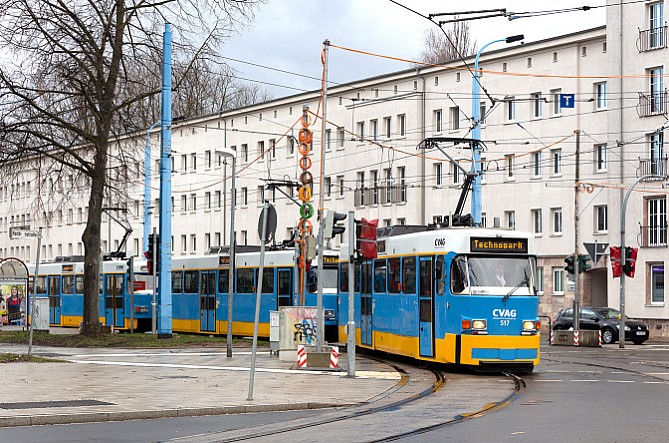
[504, 322]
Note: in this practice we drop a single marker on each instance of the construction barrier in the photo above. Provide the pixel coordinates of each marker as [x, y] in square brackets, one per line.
[301, 356]
[576, 338]
[334, 357]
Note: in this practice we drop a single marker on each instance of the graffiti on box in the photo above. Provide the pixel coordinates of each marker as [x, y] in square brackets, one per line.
[303, 324]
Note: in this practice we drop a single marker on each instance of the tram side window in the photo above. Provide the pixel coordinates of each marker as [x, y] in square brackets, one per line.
[409, 275]
[79, 284]
[394, 279]
[223, 280]
[190, 282]
[380, 276]
[40, 285]
[439, 274]
[268, 280]
[343, 277]
[367, 278]
[54, 285]
[312, 281]
[458, 275]
[356, 279]
[177, 282]
[245, 280]
[68, 284]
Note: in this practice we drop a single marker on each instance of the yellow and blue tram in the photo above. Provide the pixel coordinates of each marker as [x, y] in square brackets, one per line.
[460, 295]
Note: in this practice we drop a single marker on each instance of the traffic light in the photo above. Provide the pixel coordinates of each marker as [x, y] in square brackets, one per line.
[332, 228]
[365, 238]
[630, 261]
[584, 262]
[154, 240]
[570, 264]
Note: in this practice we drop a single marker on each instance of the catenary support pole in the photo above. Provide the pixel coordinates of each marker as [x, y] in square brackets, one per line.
[39, 247]
[350, 326]
[147, 187]
[165, 247]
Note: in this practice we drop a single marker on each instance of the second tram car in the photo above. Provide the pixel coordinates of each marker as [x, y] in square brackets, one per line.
[460, 295]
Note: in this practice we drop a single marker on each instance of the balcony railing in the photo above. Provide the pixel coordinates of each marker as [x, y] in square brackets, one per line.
[380, 195]
[652, 104]
[654, 236]
[654, 166]
[651, 39]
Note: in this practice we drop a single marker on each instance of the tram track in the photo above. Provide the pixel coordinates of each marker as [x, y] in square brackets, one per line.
[385, 413]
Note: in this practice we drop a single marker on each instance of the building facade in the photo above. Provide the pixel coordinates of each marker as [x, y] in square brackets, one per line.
[569, 124]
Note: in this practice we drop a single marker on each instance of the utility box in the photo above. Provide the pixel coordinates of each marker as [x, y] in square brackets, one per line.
[39, 314]
[274, 332]
[297, 326]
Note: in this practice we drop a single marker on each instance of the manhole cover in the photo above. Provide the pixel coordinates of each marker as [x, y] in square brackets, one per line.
[53, 404]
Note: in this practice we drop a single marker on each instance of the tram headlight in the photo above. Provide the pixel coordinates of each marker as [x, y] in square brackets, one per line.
[529, 325]
[479, 324]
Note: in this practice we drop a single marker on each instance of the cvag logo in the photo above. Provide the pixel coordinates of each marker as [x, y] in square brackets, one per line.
[504, 313]
[440, 242]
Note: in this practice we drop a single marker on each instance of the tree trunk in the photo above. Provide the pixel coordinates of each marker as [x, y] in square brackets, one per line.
[92, 246]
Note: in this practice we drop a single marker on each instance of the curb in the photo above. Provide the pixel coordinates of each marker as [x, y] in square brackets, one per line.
[88, 417]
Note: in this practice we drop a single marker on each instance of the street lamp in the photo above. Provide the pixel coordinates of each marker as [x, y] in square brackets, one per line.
[232, 154]
[476, 132]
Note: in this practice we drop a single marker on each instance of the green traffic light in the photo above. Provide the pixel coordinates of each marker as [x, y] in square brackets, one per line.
[584, 263]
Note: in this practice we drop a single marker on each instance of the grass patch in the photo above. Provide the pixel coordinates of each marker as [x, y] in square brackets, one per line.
[124, 340]
[23, 358]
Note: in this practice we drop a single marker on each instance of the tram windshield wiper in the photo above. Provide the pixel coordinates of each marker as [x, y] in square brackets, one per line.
[524, 282]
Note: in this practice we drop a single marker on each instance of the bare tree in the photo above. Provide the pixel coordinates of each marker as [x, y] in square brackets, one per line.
[73, 75]
[439, 47]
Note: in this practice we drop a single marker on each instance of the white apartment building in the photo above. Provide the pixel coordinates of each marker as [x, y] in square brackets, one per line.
[542, 163]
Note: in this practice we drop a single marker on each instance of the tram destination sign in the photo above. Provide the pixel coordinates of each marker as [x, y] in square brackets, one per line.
[498, 245]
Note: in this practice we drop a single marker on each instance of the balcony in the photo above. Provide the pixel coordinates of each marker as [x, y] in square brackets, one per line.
[652, 39]
[380, 194]
[654, 166]
[652, 104]
[654, 236]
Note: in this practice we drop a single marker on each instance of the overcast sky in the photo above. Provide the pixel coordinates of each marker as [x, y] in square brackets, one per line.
[288, 35]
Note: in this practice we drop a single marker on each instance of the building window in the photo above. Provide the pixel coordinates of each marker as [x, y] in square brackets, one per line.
[510, 161]
[656, 86]
[600, 157]
[483, 114]
[184, 203]
[537, 222]
[217, 199]
[536, 164]
[245, 196]
[184, 164]
[601, 219]
[510, 217]
[207, 200]
[193, 202]
[510, 109]
[656, 25]
[657, 221]
[539, 280]
[484, 219]
[207, 159]
[193, 243]
[327, 187]
[455, 173]
[272, 147]
[656, 154]
[261, 195]
[584, 51]
[245, 153]
[340, 137]
[537, 103]
[556, 158]
[374, 129]
[656, 283]
[401, 172]
[504, 67]
[375, 186]
[436, 81]
[457, 76]
[438, 121]
[360, 129]
[556, 215]
[555, 57]
[193, 160]
[261, 149]
[600, 96]
[184, 244]
[529, 62]
[401, 125]
[455, 118]
[555, 97]
[340, 183]
[438, 175]
[558, 281]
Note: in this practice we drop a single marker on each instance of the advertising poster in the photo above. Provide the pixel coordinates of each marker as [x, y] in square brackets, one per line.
[12, 303]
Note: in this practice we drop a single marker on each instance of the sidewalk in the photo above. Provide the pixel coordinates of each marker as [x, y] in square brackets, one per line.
[119, 384]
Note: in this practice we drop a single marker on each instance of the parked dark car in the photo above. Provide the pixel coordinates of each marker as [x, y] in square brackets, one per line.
[606, 319]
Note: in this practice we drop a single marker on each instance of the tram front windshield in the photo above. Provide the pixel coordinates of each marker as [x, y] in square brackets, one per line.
[492, 272]
[329, 276]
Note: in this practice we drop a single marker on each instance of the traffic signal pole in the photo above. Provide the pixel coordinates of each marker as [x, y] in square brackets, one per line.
[577, 261]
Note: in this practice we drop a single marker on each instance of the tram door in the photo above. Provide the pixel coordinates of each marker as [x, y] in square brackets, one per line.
[425, 302]
[114, 312]
[285, 292]
[366, 307]
[54, 299]
[208, 301]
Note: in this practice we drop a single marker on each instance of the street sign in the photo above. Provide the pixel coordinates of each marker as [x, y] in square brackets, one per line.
[566, 100]
[21, 233]
[595, 250]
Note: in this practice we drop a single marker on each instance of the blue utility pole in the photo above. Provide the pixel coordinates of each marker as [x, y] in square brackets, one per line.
[476, 131]
[147, 188]
[165, 245]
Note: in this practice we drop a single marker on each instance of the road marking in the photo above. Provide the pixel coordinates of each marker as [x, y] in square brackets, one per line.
[548, 380]
[620, 381]
[583, 380]
[656, 373]
[656, 382]
[558, 371]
